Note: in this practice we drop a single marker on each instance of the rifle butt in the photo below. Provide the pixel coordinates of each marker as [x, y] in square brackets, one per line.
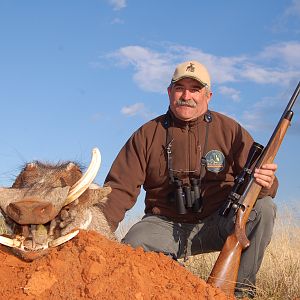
[225, 271]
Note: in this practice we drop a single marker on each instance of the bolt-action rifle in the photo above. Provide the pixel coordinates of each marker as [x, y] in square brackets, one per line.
[241, 199]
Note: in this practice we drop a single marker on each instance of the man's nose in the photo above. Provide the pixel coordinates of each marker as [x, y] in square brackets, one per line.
[186, 95]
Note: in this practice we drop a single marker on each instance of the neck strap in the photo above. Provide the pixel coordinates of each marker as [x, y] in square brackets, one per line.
[169, 140]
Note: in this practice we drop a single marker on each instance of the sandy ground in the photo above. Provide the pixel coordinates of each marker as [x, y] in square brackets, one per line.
[92, 267]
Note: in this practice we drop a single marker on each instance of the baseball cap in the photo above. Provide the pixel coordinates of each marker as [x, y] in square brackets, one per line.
[192, 69]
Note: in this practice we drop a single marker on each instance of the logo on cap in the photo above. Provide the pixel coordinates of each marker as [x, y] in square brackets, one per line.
[190, 68]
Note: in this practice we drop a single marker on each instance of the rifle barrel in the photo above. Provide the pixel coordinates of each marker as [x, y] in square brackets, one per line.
[293, 99]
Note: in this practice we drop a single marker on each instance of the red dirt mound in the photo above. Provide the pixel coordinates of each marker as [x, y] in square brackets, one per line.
[92, 267]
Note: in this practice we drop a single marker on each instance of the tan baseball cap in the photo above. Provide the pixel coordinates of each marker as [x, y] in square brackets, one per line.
[192, 69]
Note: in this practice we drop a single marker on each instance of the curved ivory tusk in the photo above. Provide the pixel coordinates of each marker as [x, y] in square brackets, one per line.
[63, 239]
[83, 183]
[10, 242]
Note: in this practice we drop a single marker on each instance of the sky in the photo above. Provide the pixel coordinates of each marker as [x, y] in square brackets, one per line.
[81, 74]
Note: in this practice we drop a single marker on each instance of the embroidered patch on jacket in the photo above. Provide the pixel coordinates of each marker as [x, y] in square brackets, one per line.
[215, 161]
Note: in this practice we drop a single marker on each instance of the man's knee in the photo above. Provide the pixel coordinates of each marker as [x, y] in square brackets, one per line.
[262, 218]
[152, 233]
[266, 209]
[135, 237]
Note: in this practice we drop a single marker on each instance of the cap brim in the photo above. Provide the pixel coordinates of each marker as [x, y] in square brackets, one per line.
[192, 77]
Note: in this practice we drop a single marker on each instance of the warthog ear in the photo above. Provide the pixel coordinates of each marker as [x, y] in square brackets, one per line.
[31, 166]
[87, 178]
[99, 194]
[93, 195]
[70, 166]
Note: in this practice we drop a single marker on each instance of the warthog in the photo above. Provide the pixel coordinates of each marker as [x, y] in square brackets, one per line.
[47, 204]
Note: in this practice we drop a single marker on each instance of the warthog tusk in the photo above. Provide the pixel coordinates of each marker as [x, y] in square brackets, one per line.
[14, 243]
[10, 242]
[63, 239]
[83, 183]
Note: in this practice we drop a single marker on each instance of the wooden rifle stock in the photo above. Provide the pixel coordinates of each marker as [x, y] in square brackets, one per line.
[225, 271]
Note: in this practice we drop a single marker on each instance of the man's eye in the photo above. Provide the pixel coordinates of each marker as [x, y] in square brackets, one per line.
[195, 90]
[179, 88]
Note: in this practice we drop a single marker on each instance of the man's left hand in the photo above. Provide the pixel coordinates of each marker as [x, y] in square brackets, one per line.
[265, 175]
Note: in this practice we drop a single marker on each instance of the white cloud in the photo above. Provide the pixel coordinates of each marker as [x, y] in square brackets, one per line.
[231, 92]
[152, 69]
[252, 120]
[287, 53]
[276, 64]
[132, 110]
[117, 4]
[266, 75]
[137, 109]
[265, 113]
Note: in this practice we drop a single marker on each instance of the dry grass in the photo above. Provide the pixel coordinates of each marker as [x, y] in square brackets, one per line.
[279, 275]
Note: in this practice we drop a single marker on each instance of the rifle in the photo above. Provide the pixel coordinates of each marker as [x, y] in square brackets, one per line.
[242, 198]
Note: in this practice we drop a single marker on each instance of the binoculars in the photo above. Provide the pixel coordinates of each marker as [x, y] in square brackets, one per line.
[187, 196]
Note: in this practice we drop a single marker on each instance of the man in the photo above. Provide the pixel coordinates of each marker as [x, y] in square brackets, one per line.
[186, 160]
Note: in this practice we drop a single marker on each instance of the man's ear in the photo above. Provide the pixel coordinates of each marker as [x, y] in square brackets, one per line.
[169, 90]
[209, 96]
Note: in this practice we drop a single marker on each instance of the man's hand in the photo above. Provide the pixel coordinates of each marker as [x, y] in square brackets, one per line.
[265, 175]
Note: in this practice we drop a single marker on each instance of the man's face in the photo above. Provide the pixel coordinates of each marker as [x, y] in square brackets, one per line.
[188, 99]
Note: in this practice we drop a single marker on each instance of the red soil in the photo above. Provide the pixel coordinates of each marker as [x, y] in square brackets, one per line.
[92, 267]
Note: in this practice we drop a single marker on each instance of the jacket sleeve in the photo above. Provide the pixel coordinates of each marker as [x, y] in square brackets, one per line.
[125, 177]
[243, 143]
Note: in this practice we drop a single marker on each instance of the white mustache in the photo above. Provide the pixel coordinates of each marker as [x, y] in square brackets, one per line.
[189, 103]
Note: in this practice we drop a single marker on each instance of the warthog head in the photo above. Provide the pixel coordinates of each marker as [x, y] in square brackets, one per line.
[47, 204]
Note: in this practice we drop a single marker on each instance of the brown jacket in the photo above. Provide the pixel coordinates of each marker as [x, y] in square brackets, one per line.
[143, 162]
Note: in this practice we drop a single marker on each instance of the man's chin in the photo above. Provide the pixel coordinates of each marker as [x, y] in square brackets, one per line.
[186, 114]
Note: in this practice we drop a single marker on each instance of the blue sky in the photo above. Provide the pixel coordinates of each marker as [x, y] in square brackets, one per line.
[79, 74]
